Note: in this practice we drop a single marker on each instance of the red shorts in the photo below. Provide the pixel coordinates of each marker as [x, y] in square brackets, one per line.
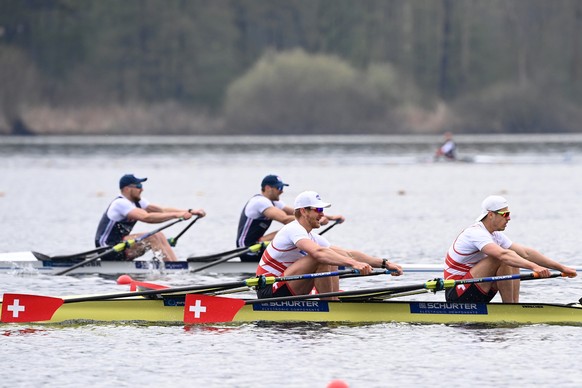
[469, 292]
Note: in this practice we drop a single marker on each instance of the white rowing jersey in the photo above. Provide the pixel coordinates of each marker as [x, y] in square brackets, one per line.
[114, 224]
[283, 251]
[465, 251]
[253, 224]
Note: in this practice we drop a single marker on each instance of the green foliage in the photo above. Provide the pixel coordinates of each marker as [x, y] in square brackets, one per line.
[516, 109]
[363, 59]
[297, 93]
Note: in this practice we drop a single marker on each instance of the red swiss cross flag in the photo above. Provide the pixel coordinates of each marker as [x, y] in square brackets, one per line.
[29, 308]
[201, 308]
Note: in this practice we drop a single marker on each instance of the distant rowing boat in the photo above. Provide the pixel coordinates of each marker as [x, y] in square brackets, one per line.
[171, 309]
[23, 263]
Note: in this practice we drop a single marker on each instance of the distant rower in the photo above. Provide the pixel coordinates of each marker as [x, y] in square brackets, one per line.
[448, 149]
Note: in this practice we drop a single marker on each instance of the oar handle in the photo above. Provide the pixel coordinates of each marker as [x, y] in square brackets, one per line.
[174, 240]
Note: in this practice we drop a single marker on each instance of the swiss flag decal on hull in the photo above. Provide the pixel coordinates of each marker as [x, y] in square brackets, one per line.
[201, 308]
[29, 308]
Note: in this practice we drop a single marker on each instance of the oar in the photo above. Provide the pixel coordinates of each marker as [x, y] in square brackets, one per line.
[224, 309]
[213, 309]
[174, 240]
[253, 248]
[433, 285]
[76, 255]
[119, 247]
[329, 227]
[240, 251]
[36, 308]
[217, 255]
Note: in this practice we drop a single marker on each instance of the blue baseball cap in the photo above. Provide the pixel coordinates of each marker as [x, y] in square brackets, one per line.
[273, 181]
[130, 179]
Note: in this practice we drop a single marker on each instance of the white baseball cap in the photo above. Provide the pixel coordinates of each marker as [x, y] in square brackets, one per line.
[309, 199]
[490, 204]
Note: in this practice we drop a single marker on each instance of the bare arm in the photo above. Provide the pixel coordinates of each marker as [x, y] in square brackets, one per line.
[331, 256]
[158, 209]
[373, 261]
[279, 215]
[283, 216]
[531, 259]
[535, 256]
[509, 257]
[156, 217]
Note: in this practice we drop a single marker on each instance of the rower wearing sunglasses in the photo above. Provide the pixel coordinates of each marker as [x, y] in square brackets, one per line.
[296, 250]
[126, 210]
[483, 250]
[260, 211]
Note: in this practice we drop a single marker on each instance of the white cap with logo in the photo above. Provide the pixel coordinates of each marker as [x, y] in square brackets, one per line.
[309, 199]
[490, 204]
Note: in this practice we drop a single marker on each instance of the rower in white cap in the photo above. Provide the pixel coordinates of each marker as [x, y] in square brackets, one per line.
[295, 251]
[483, 250]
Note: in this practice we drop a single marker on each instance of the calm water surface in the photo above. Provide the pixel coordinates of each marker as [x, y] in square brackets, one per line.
[397, 203]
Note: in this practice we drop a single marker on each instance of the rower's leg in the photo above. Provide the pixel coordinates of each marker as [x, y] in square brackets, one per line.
[328, 283]
[509, 289]
[158, 242]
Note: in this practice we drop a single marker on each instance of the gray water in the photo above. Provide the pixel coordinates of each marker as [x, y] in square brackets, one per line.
[397, 204]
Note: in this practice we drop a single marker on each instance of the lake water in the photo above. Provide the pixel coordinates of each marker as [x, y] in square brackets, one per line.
[397, 203]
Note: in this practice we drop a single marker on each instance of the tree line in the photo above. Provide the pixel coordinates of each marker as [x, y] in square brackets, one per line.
[293, 66]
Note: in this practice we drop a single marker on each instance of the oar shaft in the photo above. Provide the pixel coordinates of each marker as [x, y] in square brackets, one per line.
[434, 285]
[173, 290]
[370, 291]
[251, 282]
[271, 279]
[449, 283]
[252, 248]
[174, 240]
[329, 227]
[119, 247]
[218, 255]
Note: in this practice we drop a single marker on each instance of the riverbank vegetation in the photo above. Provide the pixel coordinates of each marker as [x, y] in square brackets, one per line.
[298, 66]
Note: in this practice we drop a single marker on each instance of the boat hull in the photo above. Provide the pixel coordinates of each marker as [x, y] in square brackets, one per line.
[26, 263]
[171, 310]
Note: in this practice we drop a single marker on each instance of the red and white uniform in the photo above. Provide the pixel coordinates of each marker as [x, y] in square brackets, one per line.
[465, 251]
[283, 251]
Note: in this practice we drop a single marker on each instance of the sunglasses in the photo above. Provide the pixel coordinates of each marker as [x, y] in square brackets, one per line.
[504, 214]
[137, 186]
[317, 209]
